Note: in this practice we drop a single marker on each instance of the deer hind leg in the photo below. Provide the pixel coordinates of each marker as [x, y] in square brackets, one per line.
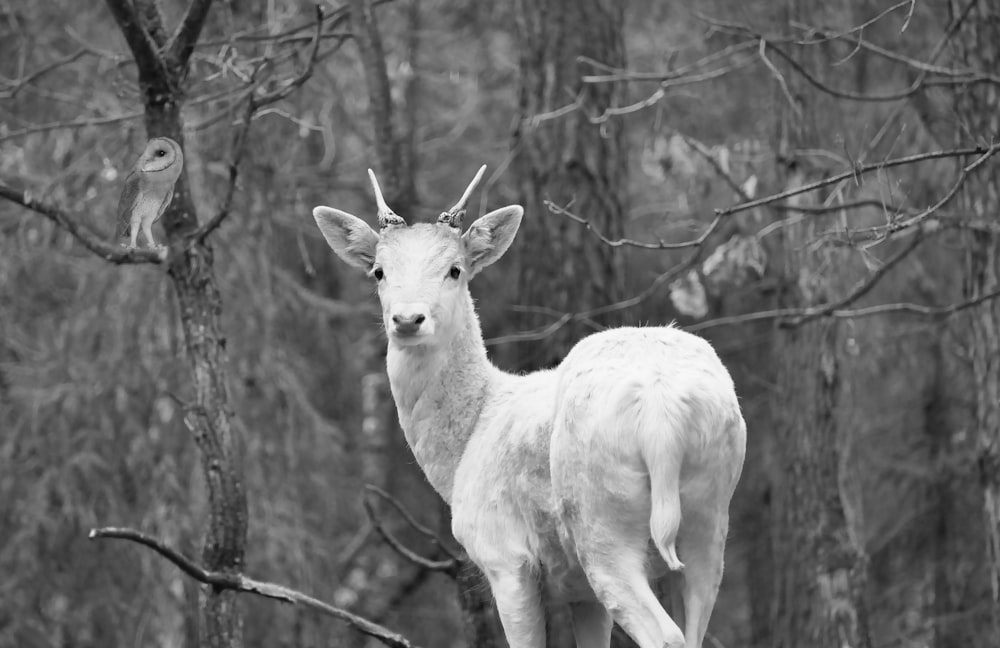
[621, 585]
[608, 520]
[591, 625]
[701, 543]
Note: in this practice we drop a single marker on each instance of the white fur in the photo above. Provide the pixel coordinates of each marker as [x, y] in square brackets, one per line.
[587, 479]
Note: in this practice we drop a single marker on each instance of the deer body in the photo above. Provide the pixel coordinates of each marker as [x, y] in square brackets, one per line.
[587, 479]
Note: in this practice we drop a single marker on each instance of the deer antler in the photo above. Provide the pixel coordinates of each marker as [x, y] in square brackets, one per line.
[386, 217]
[453, 217]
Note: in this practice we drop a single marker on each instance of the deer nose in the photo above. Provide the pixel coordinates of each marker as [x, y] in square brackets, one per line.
[408, 324]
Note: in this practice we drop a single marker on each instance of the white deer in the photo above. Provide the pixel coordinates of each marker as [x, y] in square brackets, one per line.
[586, 480]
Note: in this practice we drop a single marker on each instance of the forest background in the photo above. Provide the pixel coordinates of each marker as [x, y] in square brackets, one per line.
[810, 185]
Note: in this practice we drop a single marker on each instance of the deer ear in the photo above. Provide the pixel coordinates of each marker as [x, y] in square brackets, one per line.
[489, 237]
[349, 236]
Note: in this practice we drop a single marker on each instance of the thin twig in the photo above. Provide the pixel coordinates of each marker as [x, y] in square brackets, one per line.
[857, 172]
[659, 245]
[920, 217]
[80, 123]
[859, 291]
[719, 170]
[942, 312]
[416, 526]
[779, 77]
[449, 566]
[587, 316]
[863, 25]
[335, 308]
[240, 137]
[625, 75]
[12, 87]
[240, 583]
[661, 91]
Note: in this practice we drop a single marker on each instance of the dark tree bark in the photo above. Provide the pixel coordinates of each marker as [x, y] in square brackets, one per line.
[571, 160]
[820, 576]
[161, 78]
[820, 571]
[977, 108]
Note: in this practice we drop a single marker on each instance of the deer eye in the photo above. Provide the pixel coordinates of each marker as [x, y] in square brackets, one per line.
[454, 272]
[378, 274]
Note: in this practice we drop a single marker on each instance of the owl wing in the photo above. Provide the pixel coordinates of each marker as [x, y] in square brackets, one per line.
[165, 203]
[130, 194]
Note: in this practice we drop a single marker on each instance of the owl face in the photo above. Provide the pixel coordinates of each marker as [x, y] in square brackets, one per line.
[160, 154]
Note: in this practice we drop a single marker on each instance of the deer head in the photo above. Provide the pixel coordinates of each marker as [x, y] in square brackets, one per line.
[422, 271]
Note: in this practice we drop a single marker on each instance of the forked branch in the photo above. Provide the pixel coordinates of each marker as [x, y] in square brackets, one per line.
[240, 583]
[183, 41]
[140, 42]
[450, 565]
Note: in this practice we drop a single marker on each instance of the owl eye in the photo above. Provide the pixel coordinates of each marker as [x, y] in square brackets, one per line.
[160, 153]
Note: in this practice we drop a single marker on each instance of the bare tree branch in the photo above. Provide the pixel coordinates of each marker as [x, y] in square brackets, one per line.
[657, 94]
[419, 528]
[182, 43]
[956, 75]
[941, 312]
[335, 308]
[449, 566]
[912, 89]
[659, 245]
[240, 583]
[147, 58]
[90, 239]
[587, 316]
[859, 291]
[149, 13]
[615, 75]
[706, 153]
[313, 56]
[80, 123]
[859, 171]
[13, 86]
[920, 217]
[240, 137]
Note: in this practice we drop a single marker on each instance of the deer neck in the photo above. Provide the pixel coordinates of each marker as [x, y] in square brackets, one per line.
[439, 392]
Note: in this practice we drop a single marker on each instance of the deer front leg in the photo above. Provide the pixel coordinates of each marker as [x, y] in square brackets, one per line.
[516, 591]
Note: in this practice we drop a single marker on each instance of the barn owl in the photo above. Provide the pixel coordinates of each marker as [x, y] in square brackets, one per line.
[148, 190]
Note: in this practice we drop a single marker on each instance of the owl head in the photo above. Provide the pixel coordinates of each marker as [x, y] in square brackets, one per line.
[161, 154]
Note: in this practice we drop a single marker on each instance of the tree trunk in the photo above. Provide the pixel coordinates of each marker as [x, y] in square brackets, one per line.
[571, 160]
[162, 68]
[820, 571]
[193, 278]
[977, 107]
[820, 578]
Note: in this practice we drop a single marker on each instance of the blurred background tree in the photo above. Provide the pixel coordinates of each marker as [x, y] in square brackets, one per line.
[858, 318]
